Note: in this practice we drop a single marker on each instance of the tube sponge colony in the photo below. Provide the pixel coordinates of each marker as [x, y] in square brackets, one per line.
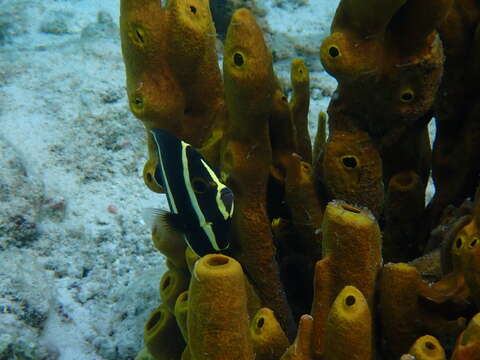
[334, 253]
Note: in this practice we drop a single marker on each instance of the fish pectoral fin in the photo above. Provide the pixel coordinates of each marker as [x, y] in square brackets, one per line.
[168, 223]
[149, 216]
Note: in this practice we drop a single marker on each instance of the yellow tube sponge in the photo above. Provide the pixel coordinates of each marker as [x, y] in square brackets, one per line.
[173, 79]
[357, 16]
[301, 349]
[427, 348]
[306, 211]
[354, 49]
[388, 78]
[426, 16]
[404, 316]
[300, 103]
[461, 253]
[404, 205]
[154, 95]
[161, 335]
[351, 256]
[352, 170]
[172, 284]
[349, 327]
[472, 268]
[468, 344]
[247, 158]
[249, 77]
[172, 247]
[269, 340]
[282, 134]
[320, 139]
[181, 311]
[217, 319]
[470, 255]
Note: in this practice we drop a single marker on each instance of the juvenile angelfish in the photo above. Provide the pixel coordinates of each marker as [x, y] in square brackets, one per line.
[201, 207]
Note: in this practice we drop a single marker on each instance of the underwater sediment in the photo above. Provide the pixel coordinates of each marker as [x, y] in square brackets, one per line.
[334, 253]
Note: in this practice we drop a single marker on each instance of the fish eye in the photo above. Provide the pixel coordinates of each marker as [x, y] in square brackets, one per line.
[200, 185]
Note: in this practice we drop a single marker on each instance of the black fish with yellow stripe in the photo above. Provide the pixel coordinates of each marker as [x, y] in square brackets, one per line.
[201, 206]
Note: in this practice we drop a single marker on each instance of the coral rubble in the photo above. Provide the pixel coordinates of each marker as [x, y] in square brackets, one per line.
[309, 225]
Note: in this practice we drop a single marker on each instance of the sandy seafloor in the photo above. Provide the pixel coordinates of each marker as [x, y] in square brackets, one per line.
[78, 272]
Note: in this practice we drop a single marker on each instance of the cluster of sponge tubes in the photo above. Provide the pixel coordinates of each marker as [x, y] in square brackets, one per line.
[330, 215]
